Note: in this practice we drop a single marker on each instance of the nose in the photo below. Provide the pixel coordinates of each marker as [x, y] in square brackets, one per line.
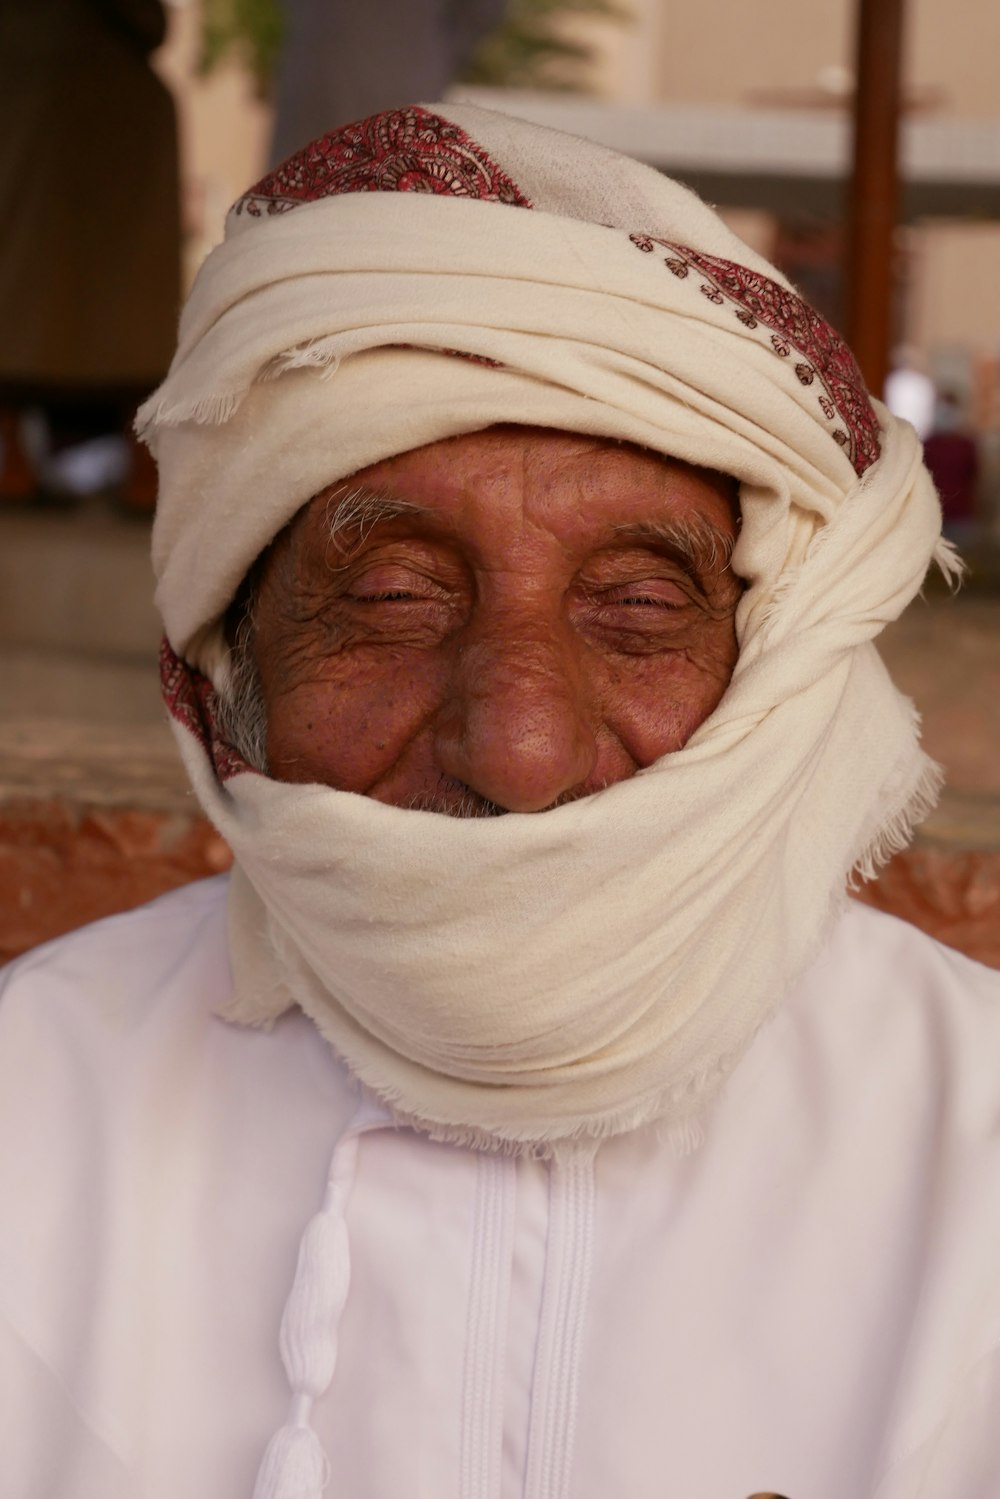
[516, 726]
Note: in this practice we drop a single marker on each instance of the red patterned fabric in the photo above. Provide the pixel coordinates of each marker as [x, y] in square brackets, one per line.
[192, 701]
[400, 151]
[793, 327]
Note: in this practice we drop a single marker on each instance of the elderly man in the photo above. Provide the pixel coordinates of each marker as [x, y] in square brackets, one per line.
[529, 1114]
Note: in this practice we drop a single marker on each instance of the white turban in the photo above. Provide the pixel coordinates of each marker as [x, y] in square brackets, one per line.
[432, 272]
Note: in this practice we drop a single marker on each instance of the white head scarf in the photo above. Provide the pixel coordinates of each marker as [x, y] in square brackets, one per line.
[524, 980]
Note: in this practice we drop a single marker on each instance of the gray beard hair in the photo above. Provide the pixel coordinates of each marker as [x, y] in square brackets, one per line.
[242, 713]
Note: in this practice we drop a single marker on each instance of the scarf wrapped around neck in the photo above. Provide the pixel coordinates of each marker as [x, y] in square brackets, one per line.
[519, 981]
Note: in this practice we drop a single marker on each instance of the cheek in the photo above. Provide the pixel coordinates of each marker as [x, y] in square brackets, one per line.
[349, 725]
[654, 704]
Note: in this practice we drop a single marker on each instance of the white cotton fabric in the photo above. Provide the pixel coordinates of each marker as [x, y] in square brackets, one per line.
[605, 964]
[807, 1305]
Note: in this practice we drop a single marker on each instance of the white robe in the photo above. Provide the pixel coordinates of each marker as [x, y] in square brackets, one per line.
[809, 1303]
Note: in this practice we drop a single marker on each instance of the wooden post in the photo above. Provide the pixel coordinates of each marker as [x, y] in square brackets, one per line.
[873, 209]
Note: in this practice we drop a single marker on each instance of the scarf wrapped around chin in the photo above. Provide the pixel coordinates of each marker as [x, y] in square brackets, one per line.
[524, 980]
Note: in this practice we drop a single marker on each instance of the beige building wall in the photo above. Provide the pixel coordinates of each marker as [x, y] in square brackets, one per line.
[727, 51]
[716, 51]
[954, 45]
[958, 281]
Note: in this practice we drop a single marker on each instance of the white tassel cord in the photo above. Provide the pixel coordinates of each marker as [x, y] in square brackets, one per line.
[295, 1465]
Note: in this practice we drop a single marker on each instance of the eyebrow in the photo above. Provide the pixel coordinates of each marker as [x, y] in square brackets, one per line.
[695, 542]
[355, 508]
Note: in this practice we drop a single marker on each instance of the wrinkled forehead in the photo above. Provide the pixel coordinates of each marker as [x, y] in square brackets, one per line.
[504, 469]
[491, 492]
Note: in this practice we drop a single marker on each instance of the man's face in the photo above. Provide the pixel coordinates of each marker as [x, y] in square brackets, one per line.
[498, 622]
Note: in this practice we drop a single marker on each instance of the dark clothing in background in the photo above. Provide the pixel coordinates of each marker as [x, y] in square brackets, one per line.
[89, 198]
[953, 460]
[346, 59]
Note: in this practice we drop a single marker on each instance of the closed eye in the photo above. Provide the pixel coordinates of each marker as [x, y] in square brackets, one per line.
[381, 598]
[650, 599]
[655, 593]
[389, 583]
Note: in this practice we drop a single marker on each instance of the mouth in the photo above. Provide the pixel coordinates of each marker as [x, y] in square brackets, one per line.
[462, 803]
[455, 799]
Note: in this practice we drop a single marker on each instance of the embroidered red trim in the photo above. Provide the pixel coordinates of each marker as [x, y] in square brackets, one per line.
[193, 701]
[791, 324]
[399, 151]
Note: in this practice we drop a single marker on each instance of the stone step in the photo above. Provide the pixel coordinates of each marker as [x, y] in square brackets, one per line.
[77, 580]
